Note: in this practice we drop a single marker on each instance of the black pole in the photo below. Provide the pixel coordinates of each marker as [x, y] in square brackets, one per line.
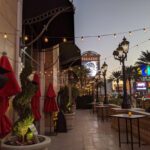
[126, 101]
[97, 93]
[105, 90]
[130, 91]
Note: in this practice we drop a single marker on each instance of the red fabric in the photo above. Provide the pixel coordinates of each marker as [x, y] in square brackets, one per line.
[5, 124]
[50, 104]
[35, 102]
[10, 88]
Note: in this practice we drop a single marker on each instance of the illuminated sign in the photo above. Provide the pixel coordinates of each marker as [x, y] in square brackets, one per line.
[90, 58]
[92, 66]
[141, 86]
[144, 70]
[91, 61]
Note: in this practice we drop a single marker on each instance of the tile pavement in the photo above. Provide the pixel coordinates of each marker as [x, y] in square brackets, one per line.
[90, 134]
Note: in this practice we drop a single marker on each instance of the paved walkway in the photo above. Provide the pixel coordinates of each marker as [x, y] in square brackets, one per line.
[90, 134]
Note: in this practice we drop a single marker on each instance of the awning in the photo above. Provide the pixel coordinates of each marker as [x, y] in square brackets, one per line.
[34, 8]
[69, 55]
[37, 16]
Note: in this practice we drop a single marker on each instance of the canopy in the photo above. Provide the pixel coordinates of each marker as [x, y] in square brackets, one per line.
[50, 104]
[35, 102]
[70, 55]
[9, 89]
[37, 16]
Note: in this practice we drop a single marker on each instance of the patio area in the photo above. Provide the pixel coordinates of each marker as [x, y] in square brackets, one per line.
[90, 134]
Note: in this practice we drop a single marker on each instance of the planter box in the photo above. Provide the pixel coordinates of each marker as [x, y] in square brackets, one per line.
[70, 120]
[39, 146]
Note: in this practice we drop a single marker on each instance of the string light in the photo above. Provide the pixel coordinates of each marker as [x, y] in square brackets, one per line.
[115, 35]
[130, 33]
[82, 38]
[46, 40]
[5, 36]
[64, 40]
[26, 38]
[144, 29]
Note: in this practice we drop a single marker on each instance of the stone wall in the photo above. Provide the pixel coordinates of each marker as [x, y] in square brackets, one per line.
[8, 25]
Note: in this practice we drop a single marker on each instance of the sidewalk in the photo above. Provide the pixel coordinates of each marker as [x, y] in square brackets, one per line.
[90, 134]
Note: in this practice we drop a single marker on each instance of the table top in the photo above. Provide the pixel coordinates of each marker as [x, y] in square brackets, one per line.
[94, 103]
[102, 106]
[127, 116]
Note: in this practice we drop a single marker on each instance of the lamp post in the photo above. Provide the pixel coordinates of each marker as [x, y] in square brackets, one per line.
[104, 70]
[97, 79]
[121, 54]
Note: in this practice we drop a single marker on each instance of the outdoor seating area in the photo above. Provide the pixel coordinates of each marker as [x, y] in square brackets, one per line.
[89, 133]
[74, 75]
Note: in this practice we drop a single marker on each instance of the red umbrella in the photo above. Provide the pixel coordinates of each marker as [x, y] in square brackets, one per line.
[50, 104]
[10, 88]
[35, 102]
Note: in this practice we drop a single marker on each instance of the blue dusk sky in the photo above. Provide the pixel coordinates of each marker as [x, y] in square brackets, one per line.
[101, 17]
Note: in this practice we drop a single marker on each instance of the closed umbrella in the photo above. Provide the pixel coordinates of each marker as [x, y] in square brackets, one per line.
[10, 88]
[50, 105]
[35, 102]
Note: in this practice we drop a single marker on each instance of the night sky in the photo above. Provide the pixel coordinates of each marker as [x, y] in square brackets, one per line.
[101, 17]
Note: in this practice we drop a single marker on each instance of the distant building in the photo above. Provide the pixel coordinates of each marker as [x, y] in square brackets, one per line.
[91, 60]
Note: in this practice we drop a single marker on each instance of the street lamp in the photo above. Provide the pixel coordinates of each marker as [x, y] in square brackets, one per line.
[104, 70]
[121, 54]
[97, 79]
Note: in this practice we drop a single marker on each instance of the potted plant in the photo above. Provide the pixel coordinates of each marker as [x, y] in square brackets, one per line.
[24, 134]
[67, 104]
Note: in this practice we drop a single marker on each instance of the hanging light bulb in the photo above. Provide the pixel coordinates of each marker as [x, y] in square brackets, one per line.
[144, 29]
[115, 35]
[5, 36]
[26, 38]
[64, 39]
[82, 38]
[46, 40]
[130, 33]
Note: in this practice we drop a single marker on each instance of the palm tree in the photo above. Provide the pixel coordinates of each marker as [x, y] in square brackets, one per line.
[130, 73]
[116, 75]
[144, 58]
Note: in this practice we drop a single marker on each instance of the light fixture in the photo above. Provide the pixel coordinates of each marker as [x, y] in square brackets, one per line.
[115, 35]
[64, 39]
[121, 54]
[5, 36]
[26, 38]
[46, 40]
[144, 29]
[130, 33]
[125, 45]
[82, 38]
